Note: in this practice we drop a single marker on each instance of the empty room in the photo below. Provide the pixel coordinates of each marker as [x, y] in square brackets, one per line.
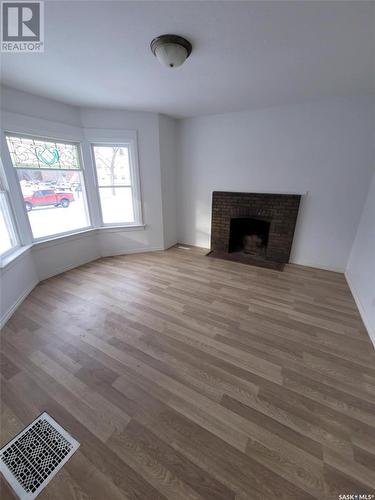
[187, 250]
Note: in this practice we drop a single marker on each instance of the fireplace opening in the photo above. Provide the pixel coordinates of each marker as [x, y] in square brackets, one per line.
[249, 236]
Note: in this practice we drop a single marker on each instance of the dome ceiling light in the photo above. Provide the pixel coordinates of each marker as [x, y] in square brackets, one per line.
[171, 50]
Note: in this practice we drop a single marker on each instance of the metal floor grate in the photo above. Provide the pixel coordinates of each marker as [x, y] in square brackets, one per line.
[35, 455]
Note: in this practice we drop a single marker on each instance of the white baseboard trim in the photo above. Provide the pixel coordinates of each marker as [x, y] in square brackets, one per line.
[362, 312]
[16, 305]
[145, 250]
[67, 268]
[318, 266]
[134, 250]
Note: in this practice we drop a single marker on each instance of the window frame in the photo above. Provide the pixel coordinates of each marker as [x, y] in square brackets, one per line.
[8, 214]
[82, 170]
[135, 186]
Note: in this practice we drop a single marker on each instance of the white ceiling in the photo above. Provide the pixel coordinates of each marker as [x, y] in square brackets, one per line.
[246, 54]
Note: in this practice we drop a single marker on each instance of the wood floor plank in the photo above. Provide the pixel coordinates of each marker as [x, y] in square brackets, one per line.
[177, 464]
[187, 377]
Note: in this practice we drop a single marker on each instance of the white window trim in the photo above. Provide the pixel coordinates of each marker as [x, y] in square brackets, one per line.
[82, 170]
[16, 198]
[11, 226]
[10, 220]
[126, 139]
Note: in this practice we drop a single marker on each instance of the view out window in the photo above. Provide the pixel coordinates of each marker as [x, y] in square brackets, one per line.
[52, 184]
[116, 184]
[8, 237]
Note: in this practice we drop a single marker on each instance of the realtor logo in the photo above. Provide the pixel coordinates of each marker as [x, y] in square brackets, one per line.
[22, 26]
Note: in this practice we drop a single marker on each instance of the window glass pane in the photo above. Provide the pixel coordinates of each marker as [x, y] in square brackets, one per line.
[52, 184]
[5, 239]
[7, 236]
[117, 205]
[42, 153]
[115, 183]
[112, 165]
[58, 210]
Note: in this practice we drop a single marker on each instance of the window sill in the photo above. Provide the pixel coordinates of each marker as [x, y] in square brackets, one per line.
[115, 229]
[12, 257]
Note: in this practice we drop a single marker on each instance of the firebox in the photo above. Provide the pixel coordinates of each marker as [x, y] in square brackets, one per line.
[249, 236]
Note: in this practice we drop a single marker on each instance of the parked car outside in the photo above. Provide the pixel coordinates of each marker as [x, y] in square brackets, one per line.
[48, 197]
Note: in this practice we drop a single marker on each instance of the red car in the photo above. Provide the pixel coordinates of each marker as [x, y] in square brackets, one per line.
[48, 197]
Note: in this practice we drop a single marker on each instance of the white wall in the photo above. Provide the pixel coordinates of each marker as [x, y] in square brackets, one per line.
[323, 148]
[360, 272]
[168, 168]
[56, 256]
[17, 280]
[26, 104]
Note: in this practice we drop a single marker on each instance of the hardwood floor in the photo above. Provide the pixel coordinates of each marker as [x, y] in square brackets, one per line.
[188, 377]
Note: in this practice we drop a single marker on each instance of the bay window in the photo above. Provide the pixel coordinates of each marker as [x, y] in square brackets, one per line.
[51, 181]
[48, 186]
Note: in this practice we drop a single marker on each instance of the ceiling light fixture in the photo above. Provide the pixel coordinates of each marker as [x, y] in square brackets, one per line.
[171, 50]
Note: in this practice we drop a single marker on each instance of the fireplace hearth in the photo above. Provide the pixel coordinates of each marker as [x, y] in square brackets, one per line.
[253, 228]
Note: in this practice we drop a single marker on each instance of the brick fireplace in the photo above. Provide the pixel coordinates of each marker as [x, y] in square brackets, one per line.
[253, 228]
